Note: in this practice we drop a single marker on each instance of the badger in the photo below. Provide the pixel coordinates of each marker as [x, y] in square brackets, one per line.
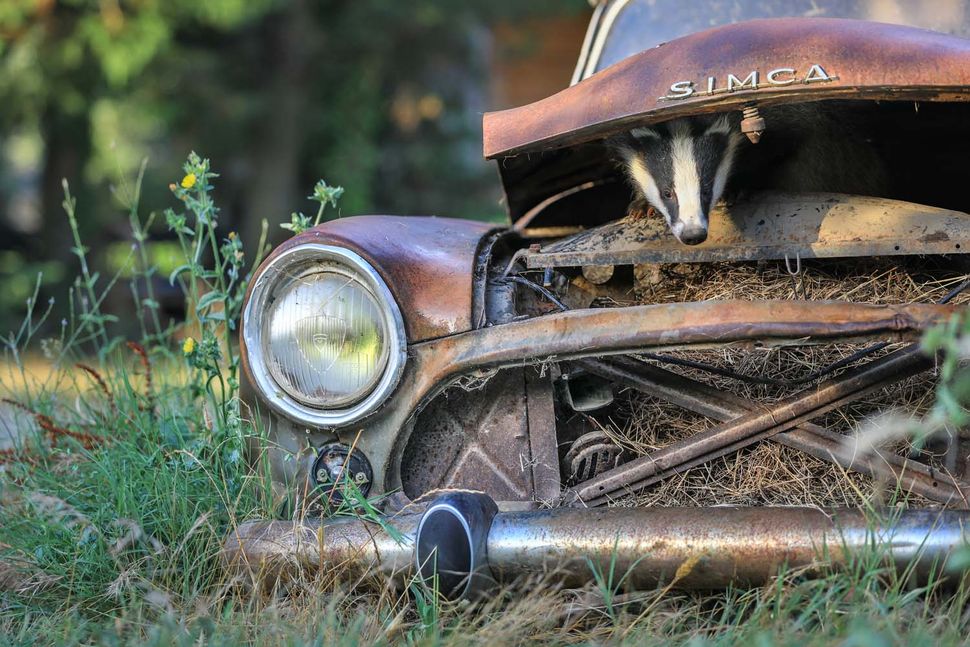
[682, 168]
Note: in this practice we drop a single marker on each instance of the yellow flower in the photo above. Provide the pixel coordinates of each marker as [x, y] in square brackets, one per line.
[188, 181]
[232, 235]
[188, 346]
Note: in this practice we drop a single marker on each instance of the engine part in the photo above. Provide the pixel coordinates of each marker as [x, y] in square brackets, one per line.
[590, 455]
[684, 547]
[583, 392]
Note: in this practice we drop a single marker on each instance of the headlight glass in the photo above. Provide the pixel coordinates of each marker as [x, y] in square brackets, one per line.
[325, 339]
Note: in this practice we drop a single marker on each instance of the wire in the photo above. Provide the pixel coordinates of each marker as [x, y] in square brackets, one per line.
[955, 292]
[521, 280]
[752, 379]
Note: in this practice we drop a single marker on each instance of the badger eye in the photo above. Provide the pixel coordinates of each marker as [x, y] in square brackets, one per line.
[668, 194]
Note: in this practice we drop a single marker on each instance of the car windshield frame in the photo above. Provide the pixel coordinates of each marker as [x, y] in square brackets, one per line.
[621, 28]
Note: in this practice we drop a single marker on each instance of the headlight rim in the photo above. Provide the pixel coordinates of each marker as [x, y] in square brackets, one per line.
[267, 282]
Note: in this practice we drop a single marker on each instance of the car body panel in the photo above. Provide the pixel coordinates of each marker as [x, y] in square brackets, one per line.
[859, 59]
[427, 263]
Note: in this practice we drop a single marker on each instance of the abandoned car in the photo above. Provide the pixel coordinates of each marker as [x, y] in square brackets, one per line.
[725, 241]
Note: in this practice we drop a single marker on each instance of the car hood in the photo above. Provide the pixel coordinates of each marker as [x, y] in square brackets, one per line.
[553, 146]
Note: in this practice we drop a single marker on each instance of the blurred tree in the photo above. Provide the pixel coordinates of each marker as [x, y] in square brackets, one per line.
[382, 97]
[64, 64]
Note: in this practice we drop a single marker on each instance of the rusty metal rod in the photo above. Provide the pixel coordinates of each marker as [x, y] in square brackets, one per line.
[722, 405]
[709, 547]
[751, 427]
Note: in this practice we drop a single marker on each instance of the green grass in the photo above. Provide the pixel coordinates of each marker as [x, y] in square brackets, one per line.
[113, 508]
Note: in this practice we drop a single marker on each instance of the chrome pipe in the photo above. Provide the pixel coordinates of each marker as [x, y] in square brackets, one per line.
[710, 548]
[272, 551]
[692, 548]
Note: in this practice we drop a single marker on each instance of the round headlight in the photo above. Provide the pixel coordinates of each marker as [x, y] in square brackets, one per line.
[324, 337]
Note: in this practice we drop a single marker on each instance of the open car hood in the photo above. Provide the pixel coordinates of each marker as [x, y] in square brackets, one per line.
[553, 146]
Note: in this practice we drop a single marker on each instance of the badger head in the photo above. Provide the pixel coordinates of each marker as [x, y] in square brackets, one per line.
[681, 168]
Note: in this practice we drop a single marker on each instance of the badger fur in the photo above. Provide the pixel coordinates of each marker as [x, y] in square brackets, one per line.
[682, 168]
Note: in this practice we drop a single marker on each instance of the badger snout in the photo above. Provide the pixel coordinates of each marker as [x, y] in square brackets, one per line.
[693, 235]
[691, 230]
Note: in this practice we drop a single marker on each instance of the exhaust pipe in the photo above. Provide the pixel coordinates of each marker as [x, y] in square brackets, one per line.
[464, 546]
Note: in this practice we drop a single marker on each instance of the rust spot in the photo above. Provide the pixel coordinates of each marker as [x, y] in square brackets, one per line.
[935, 237]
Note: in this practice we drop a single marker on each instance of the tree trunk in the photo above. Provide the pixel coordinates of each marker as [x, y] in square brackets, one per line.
[274, 190]
[66, 146]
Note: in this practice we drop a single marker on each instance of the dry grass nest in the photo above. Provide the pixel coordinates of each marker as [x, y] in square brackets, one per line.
[768, 473]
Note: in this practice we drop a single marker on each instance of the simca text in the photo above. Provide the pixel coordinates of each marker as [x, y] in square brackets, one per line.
[754, 80]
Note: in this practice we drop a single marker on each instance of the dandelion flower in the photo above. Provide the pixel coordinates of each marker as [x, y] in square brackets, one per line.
[188, 181]
[188, 346]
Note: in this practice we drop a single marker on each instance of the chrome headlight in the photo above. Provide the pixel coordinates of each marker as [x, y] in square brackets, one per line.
[324, 337]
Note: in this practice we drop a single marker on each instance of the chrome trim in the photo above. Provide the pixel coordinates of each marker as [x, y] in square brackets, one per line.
[269, 388]
[587, 41]
[593, 58]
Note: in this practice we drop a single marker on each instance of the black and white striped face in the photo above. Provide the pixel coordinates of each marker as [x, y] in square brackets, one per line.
[681, 168]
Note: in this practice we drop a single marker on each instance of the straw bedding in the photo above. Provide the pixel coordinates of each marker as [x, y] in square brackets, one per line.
[768, 473]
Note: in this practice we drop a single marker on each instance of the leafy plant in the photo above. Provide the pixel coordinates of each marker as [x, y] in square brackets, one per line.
[322, 193]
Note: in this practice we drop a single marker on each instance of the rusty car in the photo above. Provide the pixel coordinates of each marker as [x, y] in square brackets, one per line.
[503, 394]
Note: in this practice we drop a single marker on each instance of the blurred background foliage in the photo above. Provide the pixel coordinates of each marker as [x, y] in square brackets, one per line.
[382, 97]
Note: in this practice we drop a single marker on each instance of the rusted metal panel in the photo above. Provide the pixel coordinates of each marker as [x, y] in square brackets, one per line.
[857, 59]
[541, 411]
[474, 439]
[497, 435]
[427, 262]
[771, 225]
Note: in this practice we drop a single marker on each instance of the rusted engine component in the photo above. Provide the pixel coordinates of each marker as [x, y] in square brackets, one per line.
[686, 547]
[752, 124]
[590, 455]
[583, 392]
[912, 476]
[771, 225]
[481, 435]
[845, 58]
[759, 423]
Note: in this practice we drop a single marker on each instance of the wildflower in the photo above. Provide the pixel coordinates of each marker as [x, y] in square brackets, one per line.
[188, 346]
[188, 181]
[232, 235]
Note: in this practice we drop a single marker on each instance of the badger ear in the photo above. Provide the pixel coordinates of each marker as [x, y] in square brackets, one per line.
[645, 133]
[721, 125]
[622, 146]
